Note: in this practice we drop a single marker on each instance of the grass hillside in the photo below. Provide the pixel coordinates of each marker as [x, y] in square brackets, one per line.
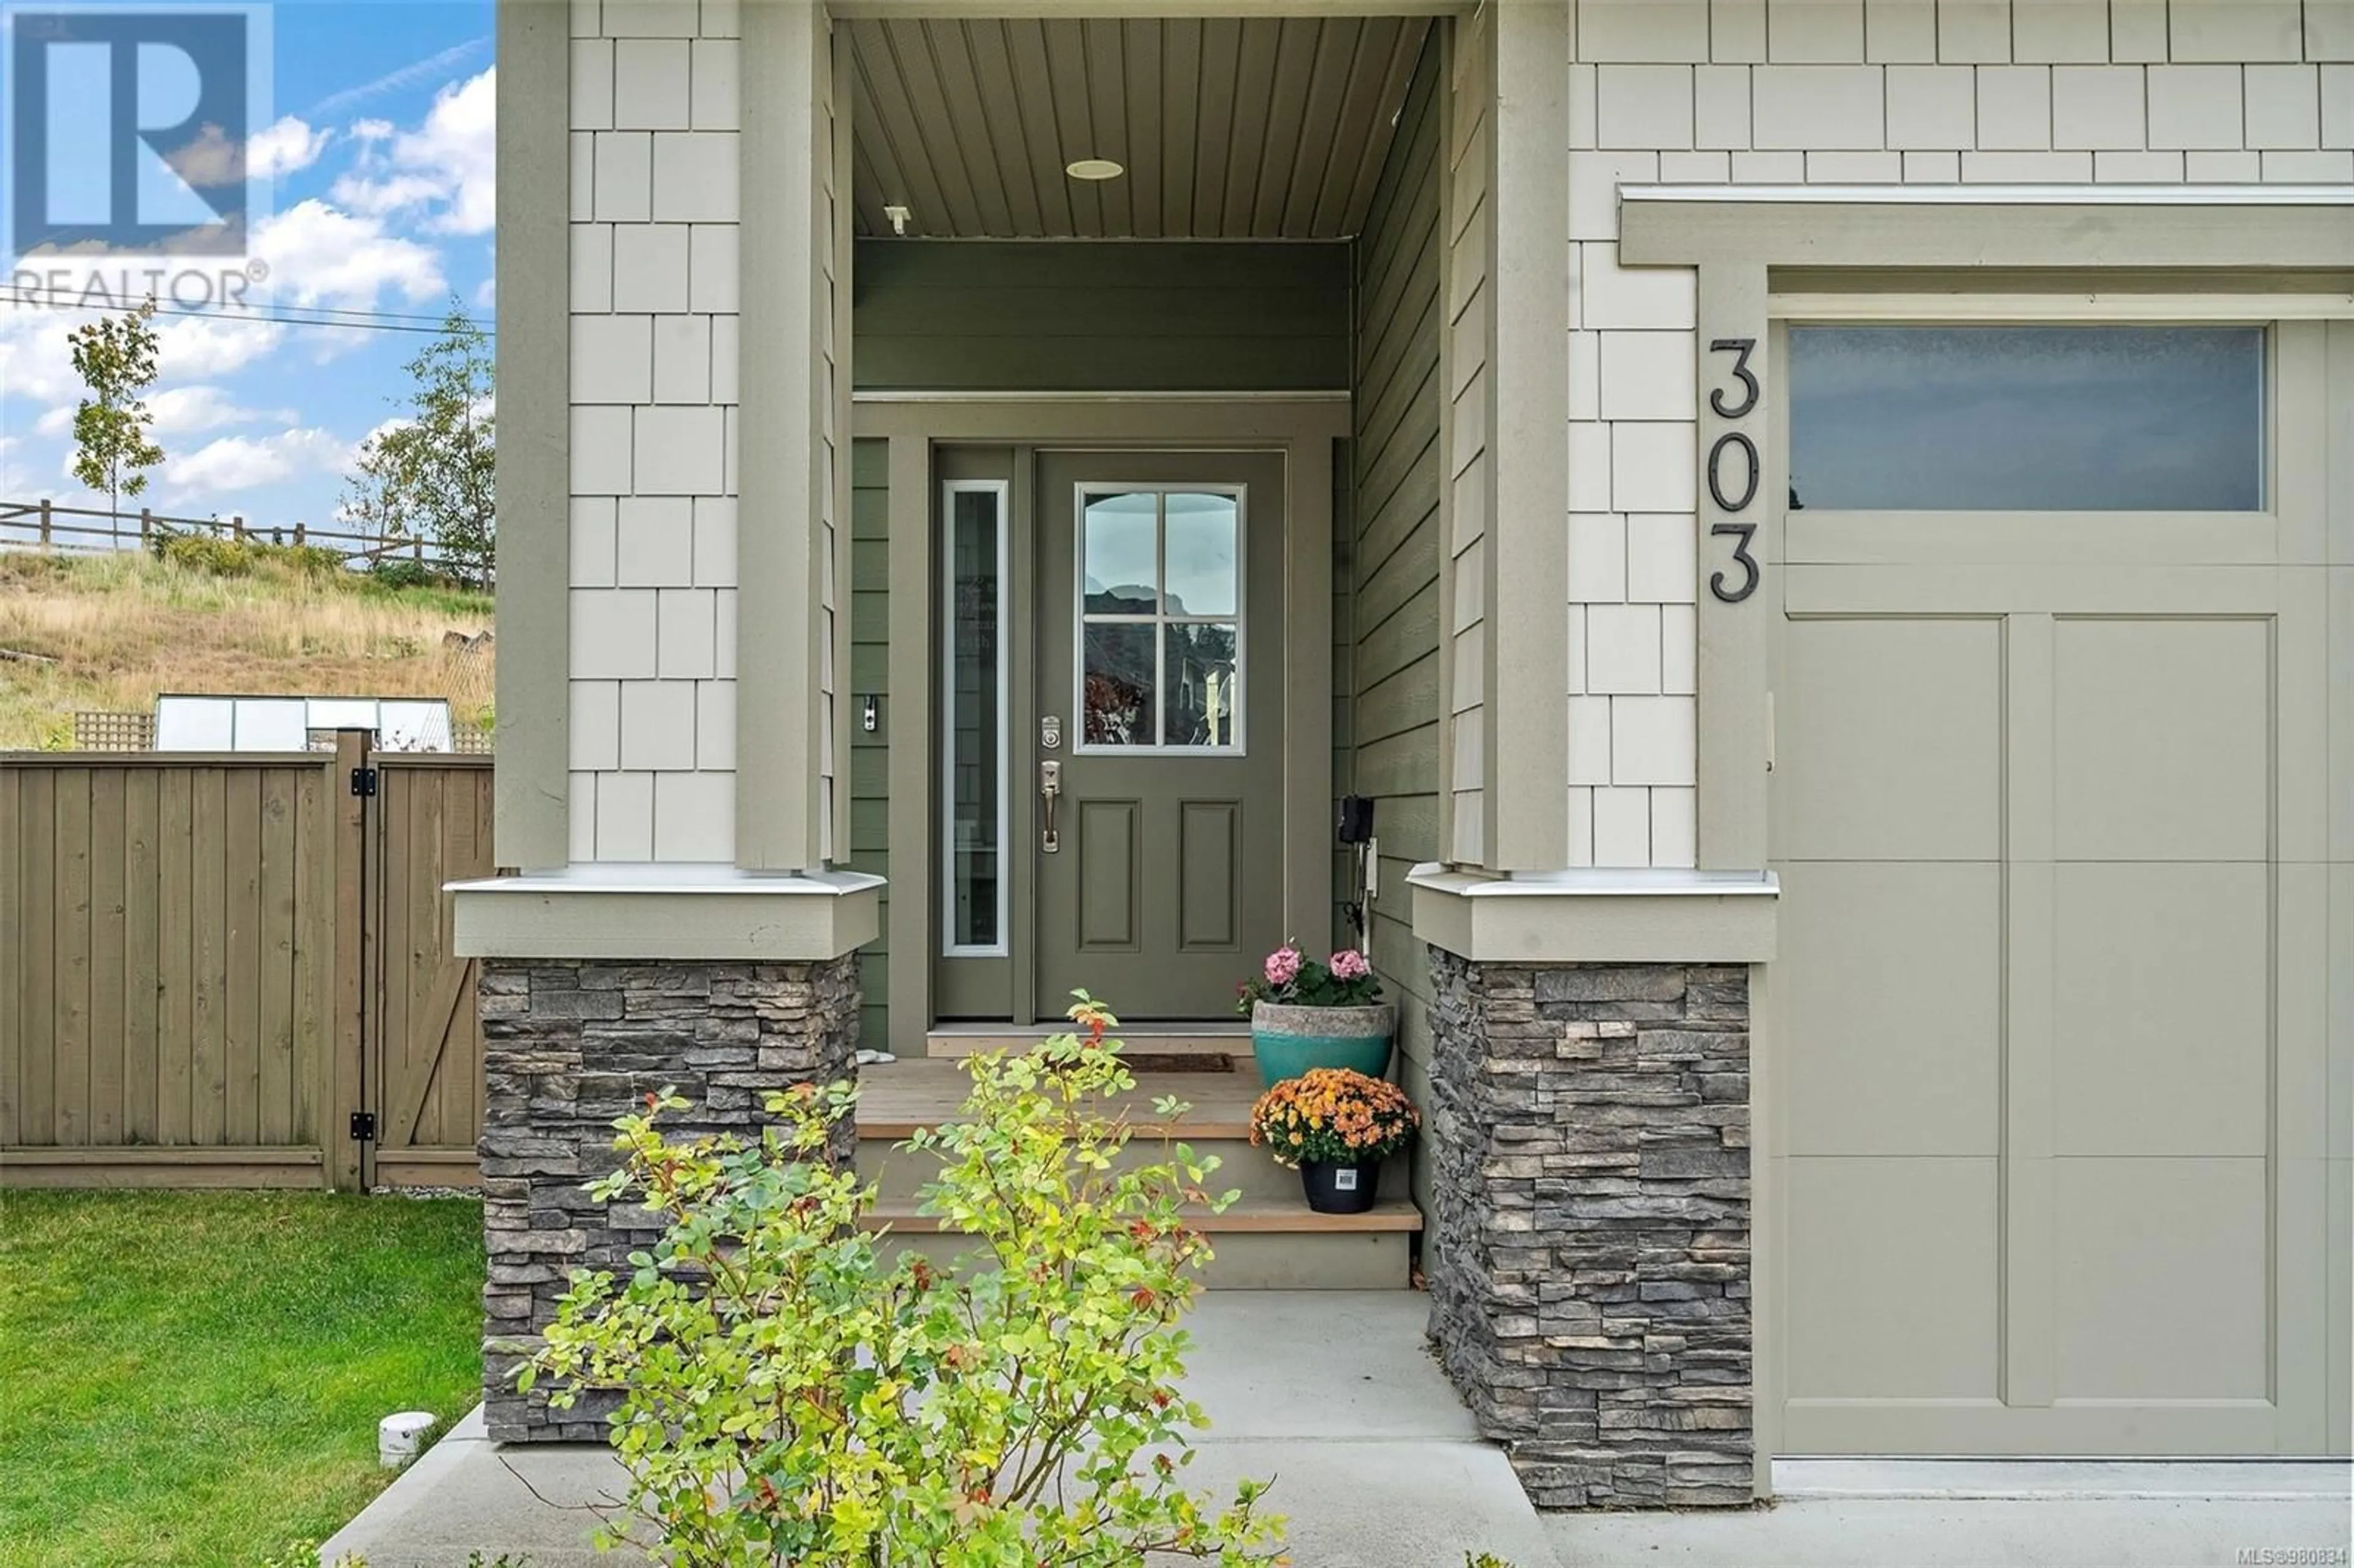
[249, 621]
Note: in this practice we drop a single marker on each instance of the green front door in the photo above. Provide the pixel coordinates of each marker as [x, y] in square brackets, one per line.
[1160, 709]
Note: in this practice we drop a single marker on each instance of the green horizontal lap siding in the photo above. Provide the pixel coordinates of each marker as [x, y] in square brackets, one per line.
[1101, 316]
[870, 754]
[1390, 548]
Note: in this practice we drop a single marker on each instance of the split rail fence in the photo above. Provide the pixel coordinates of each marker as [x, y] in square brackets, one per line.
[45, 525]
[234, 970]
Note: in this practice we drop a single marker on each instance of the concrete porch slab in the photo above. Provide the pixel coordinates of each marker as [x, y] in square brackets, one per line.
[2211, 1480]
[2179, 1531]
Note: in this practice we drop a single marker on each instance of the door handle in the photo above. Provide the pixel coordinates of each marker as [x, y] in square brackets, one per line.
[1050, 789]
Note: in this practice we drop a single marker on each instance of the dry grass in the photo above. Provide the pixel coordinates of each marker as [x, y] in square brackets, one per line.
[124, 628]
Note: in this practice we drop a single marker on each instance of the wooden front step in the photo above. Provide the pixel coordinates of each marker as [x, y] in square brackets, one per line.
[1269, 1239]
[901, 1173]
[895, 1098]
[1248, 1216]
[1252, 1247]
[1230, 1040]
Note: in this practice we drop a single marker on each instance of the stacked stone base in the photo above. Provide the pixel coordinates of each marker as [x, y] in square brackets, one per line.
[567, 1047]
[1588, 1252]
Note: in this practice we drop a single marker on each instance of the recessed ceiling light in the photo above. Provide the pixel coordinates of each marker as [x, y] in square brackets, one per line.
[1094, 169]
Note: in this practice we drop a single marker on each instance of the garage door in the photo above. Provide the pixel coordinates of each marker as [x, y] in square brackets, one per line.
[2051, 810]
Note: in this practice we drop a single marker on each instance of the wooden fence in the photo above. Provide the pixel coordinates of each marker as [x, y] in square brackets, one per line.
[45, 525]
[234, 970]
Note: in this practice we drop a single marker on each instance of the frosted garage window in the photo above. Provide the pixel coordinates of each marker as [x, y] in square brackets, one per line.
[2027, 418]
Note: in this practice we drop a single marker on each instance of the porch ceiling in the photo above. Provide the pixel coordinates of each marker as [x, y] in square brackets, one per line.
[1229, 128]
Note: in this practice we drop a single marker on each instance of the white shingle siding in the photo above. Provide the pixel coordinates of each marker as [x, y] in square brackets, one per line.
[1845, 93]
[596, 731]
[655, 541]
[1799, 32]
[657, 725]
[649, 84]
[1933, 108]
[1898, 31]
[2060, 31]
[1809, 106]
[1622, 653]
[655, 94]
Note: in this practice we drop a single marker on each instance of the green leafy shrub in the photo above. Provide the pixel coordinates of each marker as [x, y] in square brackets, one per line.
[794, 1395]
[209, 554]
[401, 572]
[315, 561]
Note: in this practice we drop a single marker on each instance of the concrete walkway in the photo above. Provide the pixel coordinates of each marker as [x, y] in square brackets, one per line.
[1333, 1396]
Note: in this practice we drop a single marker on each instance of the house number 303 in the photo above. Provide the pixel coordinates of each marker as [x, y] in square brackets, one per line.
[1733, 458]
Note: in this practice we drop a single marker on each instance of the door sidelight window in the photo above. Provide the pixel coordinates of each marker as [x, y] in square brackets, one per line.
[974, 716]
[1161, 607]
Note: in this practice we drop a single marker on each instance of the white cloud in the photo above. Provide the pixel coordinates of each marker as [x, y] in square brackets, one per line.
[37, 365]
[199, 348]
[321, 255]
[35, 362]
[185, 410]
[235, 464]
[210, 160]
[16, 482]
[57, 422]
[38, 470]
[282, 148]
[443, 172]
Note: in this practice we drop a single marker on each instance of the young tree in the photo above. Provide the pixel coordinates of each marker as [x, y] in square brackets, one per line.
[116, 360]
[430, 474]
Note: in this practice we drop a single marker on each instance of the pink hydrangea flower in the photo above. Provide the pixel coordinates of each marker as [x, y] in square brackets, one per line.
[1350, 964]
[1283, 965]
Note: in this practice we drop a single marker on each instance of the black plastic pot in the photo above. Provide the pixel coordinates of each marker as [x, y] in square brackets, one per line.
[1339, 1189]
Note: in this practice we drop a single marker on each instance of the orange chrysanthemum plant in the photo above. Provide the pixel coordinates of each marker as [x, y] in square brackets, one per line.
[1332, 1116]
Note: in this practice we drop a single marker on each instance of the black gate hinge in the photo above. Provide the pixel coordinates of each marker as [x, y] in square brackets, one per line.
[363, 781]
[363, 1127]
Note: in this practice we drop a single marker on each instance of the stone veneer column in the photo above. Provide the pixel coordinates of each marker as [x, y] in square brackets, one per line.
[1588, 1252]
[568, 1045]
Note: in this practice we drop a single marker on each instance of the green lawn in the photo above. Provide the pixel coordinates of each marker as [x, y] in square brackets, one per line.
[195, 1380]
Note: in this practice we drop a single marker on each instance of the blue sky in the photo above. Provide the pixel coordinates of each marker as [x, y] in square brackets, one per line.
[381, 153]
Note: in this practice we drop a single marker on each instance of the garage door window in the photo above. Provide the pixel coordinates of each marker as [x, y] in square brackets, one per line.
[2009, 418]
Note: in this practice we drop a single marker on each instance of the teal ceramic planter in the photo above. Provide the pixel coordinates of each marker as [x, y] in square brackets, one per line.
[1287, 1041]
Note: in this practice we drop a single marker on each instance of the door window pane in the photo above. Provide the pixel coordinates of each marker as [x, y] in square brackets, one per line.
[1202, 570]
[1121, 554]
[2078, 419]
[1118, 683]
[1161, 599]
[975, 715]
[1200, 688]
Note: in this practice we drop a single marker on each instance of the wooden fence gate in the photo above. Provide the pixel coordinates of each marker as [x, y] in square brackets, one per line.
[234, 969]
[429, 824]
